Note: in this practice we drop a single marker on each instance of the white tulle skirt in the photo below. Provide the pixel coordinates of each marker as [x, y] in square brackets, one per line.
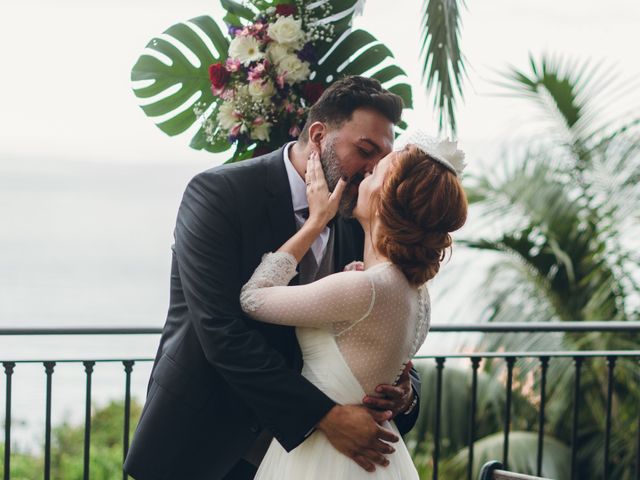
[315, 458]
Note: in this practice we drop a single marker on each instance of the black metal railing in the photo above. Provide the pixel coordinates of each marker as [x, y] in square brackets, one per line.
[578, 358]
[543, 357]
[49, 368]
[513, 327]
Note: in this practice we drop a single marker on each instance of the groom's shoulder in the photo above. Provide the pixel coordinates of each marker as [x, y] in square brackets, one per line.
[244, 173]
[247, 180]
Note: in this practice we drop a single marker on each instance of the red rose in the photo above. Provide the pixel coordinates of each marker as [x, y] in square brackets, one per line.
[312, 91]
[219, 77]
[286, 10]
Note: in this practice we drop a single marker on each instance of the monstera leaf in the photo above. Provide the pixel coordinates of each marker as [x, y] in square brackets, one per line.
[174, 83]
[171, 76]
[358, 52]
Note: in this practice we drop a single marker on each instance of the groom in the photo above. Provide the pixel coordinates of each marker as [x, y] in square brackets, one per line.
[223, 385]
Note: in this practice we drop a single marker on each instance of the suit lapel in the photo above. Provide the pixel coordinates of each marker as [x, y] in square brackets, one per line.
[279, 203]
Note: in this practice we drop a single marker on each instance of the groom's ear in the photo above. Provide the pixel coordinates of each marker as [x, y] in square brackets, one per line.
[317, 133]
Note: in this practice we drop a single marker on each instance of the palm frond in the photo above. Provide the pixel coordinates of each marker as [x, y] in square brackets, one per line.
[576, 96]
[557, 252]
[443, 62]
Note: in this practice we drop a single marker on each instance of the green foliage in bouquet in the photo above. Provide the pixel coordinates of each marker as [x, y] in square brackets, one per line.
[250, 84]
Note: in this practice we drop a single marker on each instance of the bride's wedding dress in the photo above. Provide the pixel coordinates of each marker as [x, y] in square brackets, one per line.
[356, 330]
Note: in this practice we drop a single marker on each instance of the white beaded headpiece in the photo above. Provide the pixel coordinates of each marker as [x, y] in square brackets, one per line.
[444, 152]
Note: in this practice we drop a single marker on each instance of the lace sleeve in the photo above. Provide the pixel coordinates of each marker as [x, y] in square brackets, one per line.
[276, 269]
[344, 297]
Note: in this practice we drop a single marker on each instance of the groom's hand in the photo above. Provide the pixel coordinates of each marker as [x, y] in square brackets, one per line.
[396, 398]
[355, 431]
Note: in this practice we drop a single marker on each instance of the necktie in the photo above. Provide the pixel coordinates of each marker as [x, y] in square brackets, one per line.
[303, 212]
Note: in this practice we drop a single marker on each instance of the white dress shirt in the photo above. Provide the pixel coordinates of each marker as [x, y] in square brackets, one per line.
[299, 199]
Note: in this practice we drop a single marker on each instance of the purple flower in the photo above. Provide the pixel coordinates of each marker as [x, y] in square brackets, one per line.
[308, 53]
[233, 30]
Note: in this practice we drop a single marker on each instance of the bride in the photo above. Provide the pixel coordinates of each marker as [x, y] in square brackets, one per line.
[358, 329]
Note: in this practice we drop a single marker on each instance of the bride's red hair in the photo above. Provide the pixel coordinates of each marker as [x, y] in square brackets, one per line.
[418, 205]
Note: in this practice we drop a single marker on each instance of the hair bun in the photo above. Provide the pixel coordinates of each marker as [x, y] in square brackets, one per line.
[419, 204]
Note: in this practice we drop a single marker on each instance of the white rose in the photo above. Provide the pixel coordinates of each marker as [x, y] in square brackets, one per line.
[276, 52]
[245, 49]
[260, 89]
[227, 115]
[288, 31]
[293, 69]
[261, 132]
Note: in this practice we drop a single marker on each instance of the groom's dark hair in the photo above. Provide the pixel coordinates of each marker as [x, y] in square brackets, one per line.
[338, 102]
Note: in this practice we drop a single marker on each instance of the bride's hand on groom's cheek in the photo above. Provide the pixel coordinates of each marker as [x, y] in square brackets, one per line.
[396, 398]
[323, 204]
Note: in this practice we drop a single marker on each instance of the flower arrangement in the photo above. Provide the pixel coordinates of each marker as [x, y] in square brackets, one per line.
[264, 84]
[248, 86]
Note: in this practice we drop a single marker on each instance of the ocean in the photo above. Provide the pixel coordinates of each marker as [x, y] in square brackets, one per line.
[82, 244]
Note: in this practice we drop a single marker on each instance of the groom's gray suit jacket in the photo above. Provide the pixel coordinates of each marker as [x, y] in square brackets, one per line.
[219, 377]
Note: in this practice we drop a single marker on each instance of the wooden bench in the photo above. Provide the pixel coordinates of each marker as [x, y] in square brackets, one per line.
[494, 471]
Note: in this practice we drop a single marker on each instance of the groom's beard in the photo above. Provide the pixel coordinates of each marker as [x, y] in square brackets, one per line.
[331, 168]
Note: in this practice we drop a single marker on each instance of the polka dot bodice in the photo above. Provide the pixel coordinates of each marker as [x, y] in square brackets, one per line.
[379, 321]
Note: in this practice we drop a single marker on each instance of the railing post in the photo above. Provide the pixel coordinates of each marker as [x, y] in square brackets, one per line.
[475, 363]
[544, 364]
[88, 368]
[576, 408]
[436, 449]
[48, 368]
[638, 444]
[611, 364]
[8, 371]
[507, 412]
[128, 368]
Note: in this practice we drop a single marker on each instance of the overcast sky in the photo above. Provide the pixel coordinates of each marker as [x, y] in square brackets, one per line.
[65, 90]
[72, 223]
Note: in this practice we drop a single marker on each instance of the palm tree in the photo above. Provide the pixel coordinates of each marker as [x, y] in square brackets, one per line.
[561, 212]
[559, 217]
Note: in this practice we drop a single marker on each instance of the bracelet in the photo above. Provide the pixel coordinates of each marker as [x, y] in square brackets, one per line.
[412, 406]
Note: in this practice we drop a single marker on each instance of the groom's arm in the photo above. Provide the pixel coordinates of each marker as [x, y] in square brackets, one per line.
[207, 246]
[401, 398]
[406, 420]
